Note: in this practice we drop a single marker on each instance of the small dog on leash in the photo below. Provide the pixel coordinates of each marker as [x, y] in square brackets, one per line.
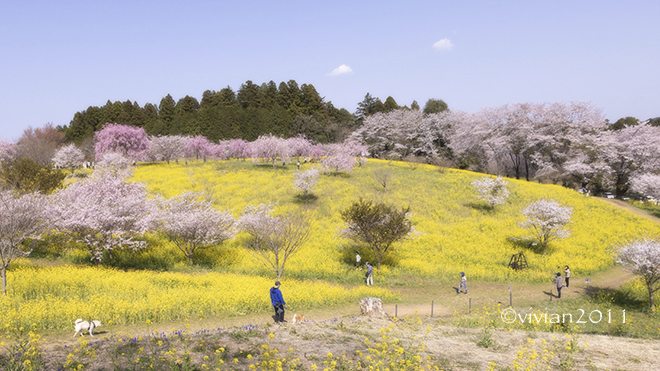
[88, 326]
[298, 318]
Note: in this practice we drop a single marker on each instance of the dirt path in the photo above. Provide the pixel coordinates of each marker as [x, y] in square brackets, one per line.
[632, 209]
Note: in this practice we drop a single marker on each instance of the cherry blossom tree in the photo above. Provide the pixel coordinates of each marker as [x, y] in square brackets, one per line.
[104, 212]
[113, 161]
[193, 223]
[306, 180]
[299, 147]
[273, 239]
[168, 147]
[239, 149]
[491, 190]
[7, 151]
[198, 146]
[68, 156]
[21, 218]
[402, 133]
[647, 184]
[643, 258]
[130, 141]
[546, 220]
[270, 147]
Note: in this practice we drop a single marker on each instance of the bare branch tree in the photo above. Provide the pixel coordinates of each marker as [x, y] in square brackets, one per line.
[273, 239]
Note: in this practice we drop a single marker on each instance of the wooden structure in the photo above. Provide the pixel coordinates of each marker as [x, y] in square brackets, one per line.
[518, 261]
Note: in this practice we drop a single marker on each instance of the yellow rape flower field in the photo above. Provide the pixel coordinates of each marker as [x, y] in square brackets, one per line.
[457, 232]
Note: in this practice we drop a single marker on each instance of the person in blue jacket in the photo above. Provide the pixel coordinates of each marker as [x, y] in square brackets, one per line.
[278, 302]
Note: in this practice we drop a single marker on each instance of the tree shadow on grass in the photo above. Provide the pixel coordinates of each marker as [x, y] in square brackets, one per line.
[479, 206]
[622, 297]
[305, 199]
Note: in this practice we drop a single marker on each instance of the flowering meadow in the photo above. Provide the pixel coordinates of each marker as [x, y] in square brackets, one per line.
[458, 232]
[52, 297]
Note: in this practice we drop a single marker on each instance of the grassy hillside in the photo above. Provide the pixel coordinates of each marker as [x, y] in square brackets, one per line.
[460, 233]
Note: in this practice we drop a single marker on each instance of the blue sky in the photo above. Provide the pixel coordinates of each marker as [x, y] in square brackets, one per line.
[60, 57]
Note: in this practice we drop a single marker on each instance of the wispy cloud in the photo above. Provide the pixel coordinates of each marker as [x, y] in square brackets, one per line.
[341, 70]
[443, 45]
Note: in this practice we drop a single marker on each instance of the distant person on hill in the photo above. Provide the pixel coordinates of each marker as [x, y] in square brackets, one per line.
[559, 282]
[568, 274]
[370, 274]
[358, 258]
[278, 302]
[463, 284]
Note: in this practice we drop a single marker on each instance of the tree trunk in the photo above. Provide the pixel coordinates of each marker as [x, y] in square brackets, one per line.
[3, 273]
[649, 286]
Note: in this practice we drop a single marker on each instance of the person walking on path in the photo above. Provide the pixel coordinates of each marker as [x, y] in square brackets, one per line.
[370, 274]
[358, 258]
[463, 284]
[568, 274]
[559, 282]
[278, 302]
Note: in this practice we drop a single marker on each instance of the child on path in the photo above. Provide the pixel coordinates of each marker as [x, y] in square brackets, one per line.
[568, 274]
[278, 302]
[463, 284]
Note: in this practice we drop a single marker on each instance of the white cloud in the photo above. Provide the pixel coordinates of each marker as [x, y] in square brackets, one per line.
[443, 45]
[341, 70]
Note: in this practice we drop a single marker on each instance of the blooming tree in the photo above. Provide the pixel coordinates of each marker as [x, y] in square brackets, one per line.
[647, 184]
[68, 156]
[547, 220]
[273, 239]
[130, 141]
[378, 226]
[198, 146]
[643, 258]
[167, 147]
[104, 212]
[491, 190]
[21, 218]
[238, 149]
[193, 223]
[306, 180]
[299, 147]
[7, 151]
[113, 161]
[270, 147]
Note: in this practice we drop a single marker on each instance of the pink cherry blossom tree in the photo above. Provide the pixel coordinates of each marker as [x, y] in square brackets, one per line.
[198, 146]
[546, 220]
[642, 257]
[238, 149]
[273, 239]
[491, 190]
[21, 218]
[68, 156]
[130, 141]
[104, 212]
[299, 147]
[271, 148]
[193, 223]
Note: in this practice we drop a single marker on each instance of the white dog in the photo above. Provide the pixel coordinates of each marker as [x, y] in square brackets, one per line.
[86, 326]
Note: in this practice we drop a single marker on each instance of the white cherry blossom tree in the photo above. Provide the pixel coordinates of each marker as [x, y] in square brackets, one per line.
[491, 190]
[546, 220]
[642, 257]
[68, 156]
